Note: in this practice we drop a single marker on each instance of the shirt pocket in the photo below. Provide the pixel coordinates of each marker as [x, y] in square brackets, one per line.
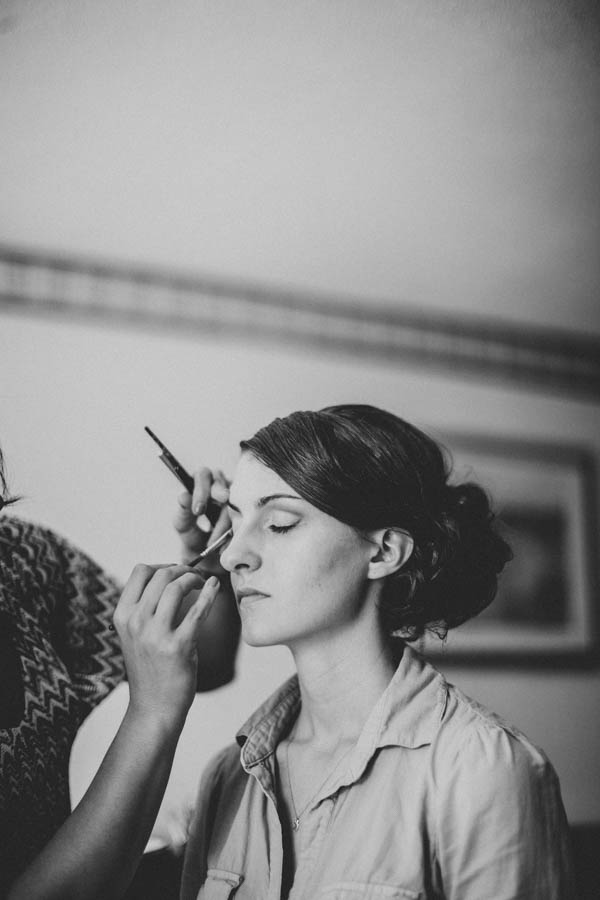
[361, 890]
[219, 885]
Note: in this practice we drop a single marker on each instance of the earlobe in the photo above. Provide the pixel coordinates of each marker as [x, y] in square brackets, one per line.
[394, 548]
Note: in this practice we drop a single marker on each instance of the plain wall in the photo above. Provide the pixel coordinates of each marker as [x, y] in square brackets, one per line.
[438, 153]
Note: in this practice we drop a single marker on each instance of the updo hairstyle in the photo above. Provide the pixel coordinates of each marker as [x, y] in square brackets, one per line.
[370, 469]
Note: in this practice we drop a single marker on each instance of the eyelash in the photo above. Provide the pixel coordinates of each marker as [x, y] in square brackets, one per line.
[281, 529]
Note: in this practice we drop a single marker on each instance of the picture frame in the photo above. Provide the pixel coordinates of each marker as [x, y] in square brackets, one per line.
[545, 610]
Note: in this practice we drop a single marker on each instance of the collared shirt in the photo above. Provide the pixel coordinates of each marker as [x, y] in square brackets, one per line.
[438, 800]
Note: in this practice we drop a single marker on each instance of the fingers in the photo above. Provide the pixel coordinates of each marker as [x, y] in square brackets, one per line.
[161, 593]
[135, 586]
[144, 589]
[174, 600]
[220, 496]
[220, 489]
[203, 480]
[199, 610]
[202, 513]
[161, 656]
[209, 486]
[162, 582]
[184, 518]
[222, 524]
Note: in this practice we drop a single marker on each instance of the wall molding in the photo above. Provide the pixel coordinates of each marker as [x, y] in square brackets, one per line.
[550, 360]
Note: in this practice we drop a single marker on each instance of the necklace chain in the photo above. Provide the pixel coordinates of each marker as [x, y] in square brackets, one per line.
[298, 815]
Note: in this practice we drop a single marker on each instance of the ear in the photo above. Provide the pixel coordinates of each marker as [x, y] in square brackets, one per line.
[393, 548]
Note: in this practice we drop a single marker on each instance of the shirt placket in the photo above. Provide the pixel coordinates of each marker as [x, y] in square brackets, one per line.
[262, 772]
[315, 825]
[313, 830]
[318, 818]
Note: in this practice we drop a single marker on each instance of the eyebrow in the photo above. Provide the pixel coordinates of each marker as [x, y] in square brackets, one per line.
[264, 500]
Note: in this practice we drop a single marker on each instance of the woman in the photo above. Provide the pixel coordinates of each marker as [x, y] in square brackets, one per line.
[367, 774]
[58, 658]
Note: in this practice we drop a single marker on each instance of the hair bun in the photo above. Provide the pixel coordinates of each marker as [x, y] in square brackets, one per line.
[468, 501]
[475, 522]
[455, 572]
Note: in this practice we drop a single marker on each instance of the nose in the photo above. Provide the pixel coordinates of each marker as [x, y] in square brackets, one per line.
[240, 553]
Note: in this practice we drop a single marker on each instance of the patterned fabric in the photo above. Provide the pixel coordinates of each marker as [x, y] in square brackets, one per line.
[58, 659]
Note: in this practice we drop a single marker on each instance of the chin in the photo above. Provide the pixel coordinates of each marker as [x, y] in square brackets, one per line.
[256, 637]
[263, 634]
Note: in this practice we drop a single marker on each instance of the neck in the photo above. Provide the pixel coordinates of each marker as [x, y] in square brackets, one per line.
[341, 678]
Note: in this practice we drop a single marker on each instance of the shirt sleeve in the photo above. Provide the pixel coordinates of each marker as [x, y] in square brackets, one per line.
[86, 597]
[200, 829]
[221, 789]
[502, 829]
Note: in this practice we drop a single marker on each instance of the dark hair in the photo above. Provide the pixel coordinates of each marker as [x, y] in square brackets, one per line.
[370, 469]
[5, 498]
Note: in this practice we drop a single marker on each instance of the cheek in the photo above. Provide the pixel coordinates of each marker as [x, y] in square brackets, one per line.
[336, 569]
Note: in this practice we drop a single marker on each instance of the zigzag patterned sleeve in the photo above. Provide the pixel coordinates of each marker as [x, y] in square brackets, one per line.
[86, 599]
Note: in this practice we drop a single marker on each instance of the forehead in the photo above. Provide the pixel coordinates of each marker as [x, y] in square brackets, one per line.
[253, 480]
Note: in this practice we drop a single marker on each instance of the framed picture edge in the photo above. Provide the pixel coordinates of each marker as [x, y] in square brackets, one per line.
[583, 459]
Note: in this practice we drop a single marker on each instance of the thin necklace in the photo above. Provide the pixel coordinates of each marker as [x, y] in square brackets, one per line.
[298, 815]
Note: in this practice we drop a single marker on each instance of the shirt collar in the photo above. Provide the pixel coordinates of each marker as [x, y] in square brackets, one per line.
[410, 710]
[259, 735]
[407, 714]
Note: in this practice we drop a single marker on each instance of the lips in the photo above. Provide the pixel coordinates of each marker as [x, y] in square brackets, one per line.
[249, 593]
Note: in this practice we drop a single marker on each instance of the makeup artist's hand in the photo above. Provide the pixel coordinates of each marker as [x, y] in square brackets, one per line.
[159, 637]
[218, 638]
[192, 524]
[96, 851]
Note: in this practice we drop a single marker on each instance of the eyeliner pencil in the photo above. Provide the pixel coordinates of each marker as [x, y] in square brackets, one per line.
[172, 464]
[213, 509]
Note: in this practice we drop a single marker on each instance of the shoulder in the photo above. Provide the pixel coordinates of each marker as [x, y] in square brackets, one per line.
[485, 754]
[473, 725]
[32, 546]
[30, 555]
[222, 771]
[40, 569]
[17, 536]
[497, 809]
[49, 556]
[221, 785]
[221, 788]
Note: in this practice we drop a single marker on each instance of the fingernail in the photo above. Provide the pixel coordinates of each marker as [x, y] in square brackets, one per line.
[196, 508]
[213, 581]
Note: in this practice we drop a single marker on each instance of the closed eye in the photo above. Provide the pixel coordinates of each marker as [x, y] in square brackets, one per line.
[281, 529]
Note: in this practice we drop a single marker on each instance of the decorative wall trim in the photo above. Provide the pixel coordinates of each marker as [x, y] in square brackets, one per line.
[540, 358]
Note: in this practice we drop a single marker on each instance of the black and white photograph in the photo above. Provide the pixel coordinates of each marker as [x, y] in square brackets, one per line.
[299, 450]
